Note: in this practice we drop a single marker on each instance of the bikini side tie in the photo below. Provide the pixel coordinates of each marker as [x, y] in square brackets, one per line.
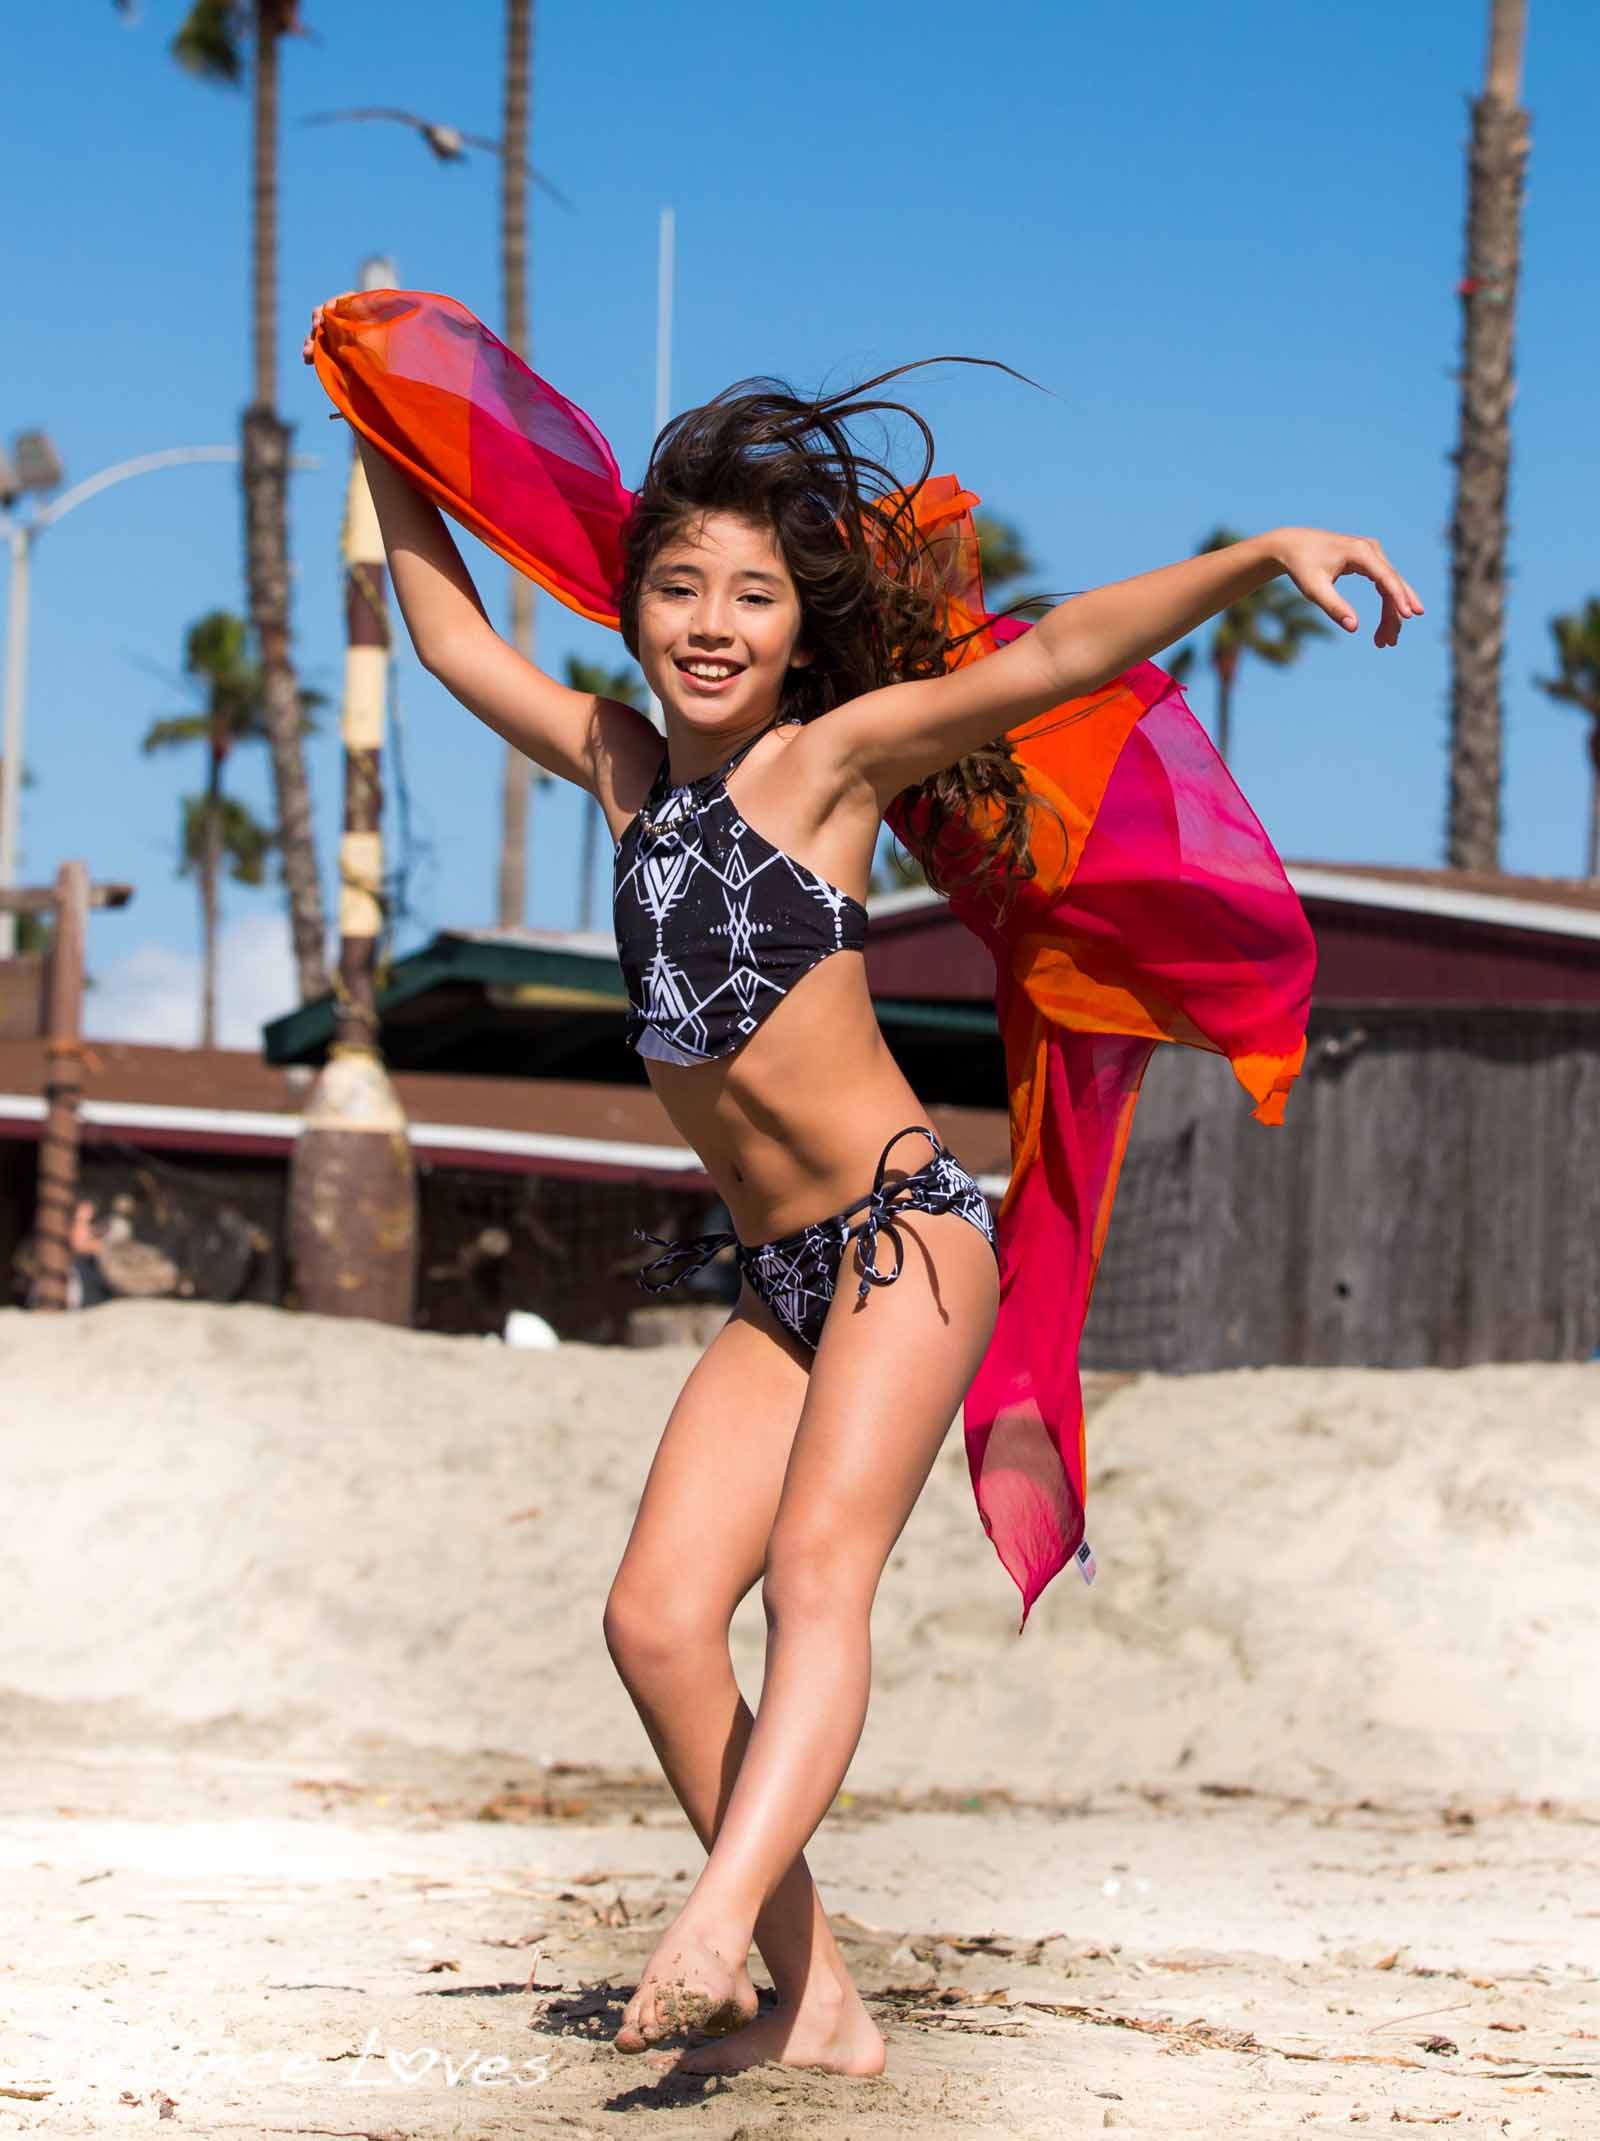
[680, 1258]
[880, 1205]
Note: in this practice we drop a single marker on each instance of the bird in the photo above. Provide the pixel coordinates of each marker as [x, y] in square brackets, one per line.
[448, 143]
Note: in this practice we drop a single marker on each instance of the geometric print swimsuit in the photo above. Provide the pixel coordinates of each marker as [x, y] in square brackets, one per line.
[714, 926]
[796, 1276]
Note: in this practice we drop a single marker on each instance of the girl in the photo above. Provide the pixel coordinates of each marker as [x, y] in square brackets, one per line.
[790, 610]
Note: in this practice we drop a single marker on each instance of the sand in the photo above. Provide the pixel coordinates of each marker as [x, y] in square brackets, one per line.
[1289, 1822]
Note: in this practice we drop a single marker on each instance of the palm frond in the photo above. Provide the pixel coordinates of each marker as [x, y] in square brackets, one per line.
[625, 685]
[1577, 638]
[210, 41]
[174, 729]
[243, 842]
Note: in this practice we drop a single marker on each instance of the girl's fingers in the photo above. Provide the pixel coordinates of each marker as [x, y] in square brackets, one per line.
[1364, 556]
[1323, 592]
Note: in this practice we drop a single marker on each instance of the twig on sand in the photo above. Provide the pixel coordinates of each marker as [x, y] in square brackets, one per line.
[1395, 2021]
[1201, 2034]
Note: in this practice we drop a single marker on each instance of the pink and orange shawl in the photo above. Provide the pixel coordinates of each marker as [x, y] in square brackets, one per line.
[1160, 911]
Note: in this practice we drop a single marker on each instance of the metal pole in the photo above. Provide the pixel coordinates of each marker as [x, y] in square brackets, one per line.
[11, 745]
[664, 319]
[22, 539]
[663, 362]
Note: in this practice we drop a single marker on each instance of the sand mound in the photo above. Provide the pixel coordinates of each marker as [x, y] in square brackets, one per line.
[297, 1533]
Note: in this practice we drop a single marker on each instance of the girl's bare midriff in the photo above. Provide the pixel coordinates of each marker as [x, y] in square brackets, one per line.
[792, 1125]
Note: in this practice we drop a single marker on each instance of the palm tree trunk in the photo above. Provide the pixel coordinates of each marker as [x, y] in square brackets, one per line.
[516, 772]
[266, 514]
[591, 837]
[1488, 292]
[1594, 795]
[1224, 709]
[210, 872]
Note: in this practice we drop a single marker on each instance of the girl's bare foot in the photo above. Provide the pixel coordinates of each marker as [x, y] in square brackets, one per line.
[829, 2029]
[691, 1982]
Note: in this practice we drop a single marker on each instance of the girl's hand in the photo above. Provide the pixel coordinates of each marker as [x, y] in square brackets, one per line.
[316, 321]
[1314, 559]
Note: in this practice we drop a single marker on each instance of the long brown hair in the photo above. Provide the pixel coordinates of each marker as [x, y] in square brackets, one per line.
[867, 579]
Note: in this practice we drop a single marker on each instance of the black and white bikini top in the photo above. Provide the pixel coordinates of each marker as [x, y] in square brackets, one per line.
[714, 925]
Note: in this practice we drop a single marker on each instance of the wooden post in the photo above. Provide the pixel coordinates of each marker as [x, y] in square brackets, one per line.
[63, 1088]
[352, 1180]
[71, 896]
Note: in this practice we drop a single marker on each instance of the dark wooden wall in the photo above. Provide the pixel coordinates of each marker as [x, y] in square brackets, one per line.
[1432, 1198]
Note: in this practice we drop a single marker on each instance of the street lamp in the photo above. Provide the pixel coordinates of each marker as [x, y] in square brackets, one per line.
[34, 465]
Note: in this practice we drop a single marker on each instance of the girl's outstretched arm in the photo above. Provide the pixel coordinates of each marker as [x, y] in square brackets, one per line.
[905, 732]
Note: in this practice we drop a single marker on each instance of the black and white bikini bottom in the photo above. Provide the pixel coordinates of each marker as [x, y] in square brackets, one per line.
[796, 1275]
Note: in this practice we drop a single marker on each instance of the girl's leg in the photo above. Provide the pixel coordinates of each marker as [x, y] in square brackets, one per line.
[887, 1380]
[698, 1544]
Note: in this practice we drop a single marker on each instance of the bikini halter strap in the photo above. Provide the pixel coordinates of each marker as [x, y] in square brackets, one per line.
[720, 773]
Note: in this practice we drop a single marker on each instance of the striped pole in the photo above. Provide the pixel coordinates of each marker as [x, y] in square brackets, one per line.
[353, 1191]
[366, 693]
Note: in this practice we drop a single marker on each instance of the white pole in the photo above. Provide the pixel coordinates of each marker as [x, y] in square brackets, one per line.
[664, 320]
[11, 768]
[663, 362]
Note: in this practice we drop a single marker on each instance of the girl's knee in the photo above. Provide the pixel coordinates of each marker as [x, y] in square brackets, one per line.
[809, 1579]
[652, 1628]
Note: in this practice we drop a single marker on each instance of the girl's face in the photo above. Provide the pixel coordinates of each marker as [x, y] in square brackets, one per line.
[719, 624]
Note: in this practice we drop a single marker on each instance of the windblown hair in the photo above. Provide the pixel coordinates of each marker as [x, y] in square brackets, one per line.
[867, 580]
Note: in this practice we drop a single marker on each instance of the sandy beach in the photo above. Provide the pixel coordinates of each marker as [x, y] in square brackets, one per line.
[324, 1812]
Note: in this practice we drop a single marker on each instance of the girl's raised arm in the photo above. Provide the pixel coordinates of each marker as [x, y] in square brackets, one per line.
[905, 732]
[594, 742]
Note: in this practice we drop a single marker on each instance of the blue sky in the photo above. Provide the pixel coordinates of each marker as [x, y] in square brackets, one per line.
[1228, 240]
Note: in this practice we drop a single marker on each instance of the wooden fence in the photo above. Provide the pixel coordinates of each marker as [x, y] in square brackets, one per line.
[1431, 1199]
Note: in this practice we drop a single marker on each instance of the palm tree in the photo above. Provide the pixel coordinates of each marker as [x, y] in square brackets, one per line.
[627, 685]
[211, 43]
[1002, 552]
[1273, 623]
[1488, 293]
[1004, 559]
[1577, 641]
[216, 828]
[516, 772]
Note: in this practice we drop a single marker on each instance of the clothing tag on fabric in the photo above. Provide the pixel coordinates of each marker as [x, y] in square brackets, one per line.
[1084, 1557]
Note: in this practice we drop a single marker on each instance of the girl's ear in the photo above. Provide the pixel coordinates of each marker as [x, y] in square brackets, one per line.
[801, 658]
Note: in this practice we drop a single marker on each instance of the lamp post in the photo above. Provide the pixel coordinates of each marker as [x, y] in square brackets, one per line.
[34, 466]
[664, 270]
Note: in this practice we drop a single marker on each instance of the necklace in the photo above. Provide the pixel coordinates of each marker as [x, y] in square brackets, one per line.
[688, 798]
[683, 802]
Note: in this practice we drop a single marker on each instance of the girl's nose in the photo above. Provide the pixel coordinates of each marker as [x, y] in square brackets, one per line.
[710, 621]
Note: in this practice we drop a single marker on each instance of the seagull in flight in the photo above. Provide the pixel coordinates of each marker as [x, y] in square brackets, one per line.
[448, 143]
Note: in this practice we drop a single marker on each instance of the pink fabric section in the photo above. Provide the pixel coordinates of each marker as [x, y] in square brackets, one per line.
[486, 438]
[1179, 904]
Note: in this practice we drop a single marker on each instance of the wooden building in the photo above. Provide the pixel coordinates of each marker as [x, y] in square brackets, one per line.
[530, 1190]
[1433, 1197]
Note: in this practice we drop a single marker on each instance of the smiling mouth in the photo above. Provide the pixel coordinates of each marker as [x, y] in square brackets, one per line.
[709, 672]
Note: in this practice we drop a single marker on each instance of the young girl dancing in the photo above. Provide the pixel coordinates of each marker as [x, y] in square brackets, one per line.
[808, 627]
